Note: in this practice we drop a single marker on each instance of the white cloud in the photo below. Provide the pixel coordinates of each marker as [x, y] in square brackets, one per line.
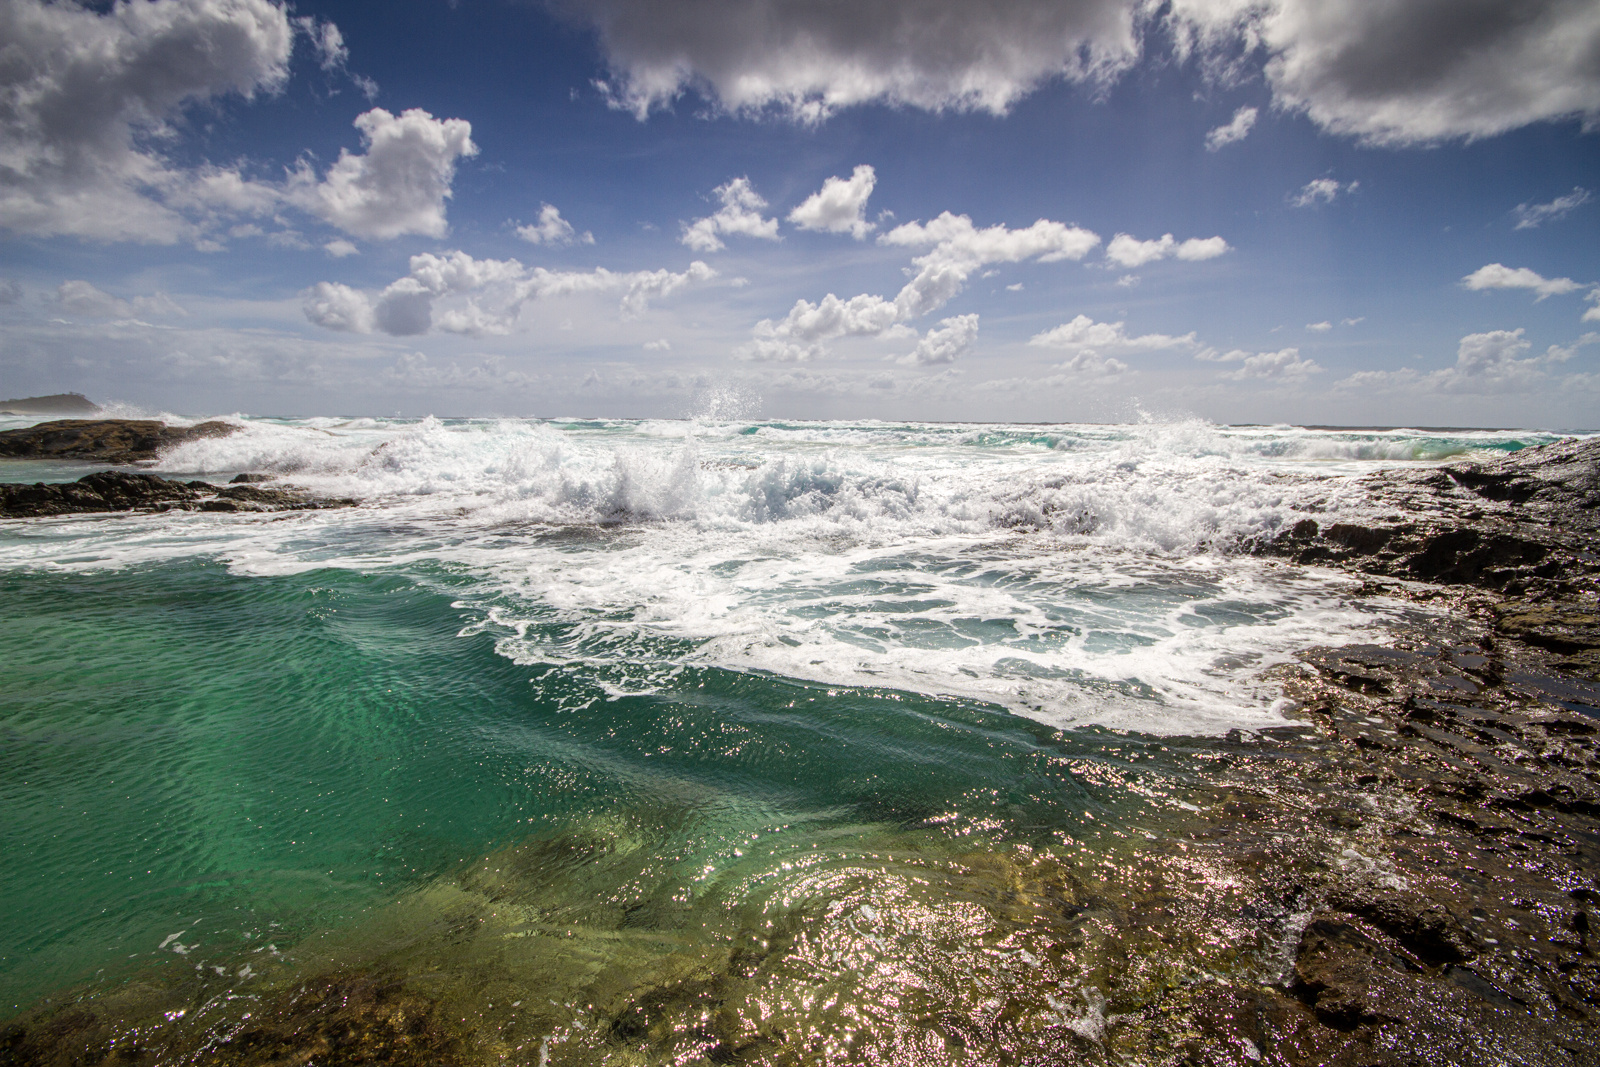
[1319, 327]
[85, 97]
[839, 206]
[1285, 363]
[951, 340]
[1497, 276]
[81, 298]
[10, 291]
[802, 334]
[1530, 216]
[740, 213]
[1593, 314]
[1392, 72]
[658, 345]
[1127, 251]
[1322, 191]
[960, 249]
[1419, 71]
[399, 185]
[1236, 129]
[1494, 362]
[809, 59]
[1358, 320]
[1087, 364]
[1085, 334]
[552, 229]
[326, 41]
[340, 248]
[459, 294]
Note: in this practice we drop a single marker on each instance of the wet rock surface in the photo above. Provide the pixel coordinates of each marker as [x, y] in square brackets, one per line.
[125, 491]
[106, 440]
[1527, 525]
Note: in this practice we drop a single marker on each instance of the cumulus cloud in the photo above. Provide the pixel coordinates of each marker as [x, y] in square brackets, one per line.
[1319, 327]
[1593, 314]
[1322, 191]
[740, 213]
[808, 59]
[1497, 276]
[1087, 363]
[459, 294]
[960, 249]
[1236, 129]
[839, 206]
[803, 334]
[1496, 361]
[946, 343]
[86, 98]
[340, 248]
[338, 307]
[399, 185]
[1284, 364]
[1417, 71]
[1128, 251]
[1530, 216]
[552, 229]
[1085, 334]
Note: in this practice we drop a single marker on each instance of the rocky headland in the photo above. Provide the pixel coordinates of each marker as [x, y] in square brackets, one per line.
[54, 404]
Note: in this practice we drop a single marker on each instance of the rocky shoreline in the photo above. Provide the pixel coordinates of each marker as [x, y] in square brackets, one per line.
[1408, 875]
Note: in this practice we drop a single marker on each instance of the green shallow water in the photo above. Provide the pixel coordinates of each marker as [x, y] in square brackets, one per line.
[248, 760]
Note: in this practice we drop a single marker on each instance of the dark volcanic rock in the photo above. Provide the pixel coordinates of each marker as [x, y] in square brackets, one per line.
[108, 440]
[1525, 524]
[251, 479]
[124, 491]
[55, 404]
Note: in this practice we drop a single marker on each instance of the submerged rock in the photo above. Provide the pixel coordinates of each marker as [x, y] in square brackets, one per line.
[125, 491]
[108, 440]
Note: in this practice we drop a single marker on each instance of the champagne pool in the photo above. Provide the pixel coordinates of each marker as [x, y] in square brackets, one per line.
[601, 741]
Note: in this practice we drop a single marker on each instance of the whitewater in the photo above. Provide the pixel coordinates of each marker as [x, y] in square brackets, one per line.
[1072, 574]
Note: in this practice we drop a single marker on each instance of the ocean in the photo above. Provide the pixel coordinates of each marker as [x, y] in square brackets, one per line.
[603, 731]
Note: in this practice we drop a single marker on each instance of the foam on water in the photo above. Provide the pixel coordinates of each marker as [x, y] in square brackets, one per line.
[1070, 573]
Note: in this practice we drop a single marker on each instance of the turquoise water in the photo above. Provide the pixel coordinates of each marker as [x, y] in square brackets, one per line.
[630, 696]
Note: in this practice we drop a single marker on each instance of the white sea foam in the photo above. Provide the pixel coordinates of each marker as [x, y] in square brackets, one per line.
[1074, 574]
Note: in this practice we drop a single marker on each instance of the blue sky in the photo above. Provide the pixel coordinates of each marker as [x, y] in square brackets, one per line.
[1378, 212]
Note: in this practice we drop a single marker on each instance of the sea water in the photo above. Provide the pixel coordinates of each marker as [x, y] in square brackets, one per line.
[646, 691]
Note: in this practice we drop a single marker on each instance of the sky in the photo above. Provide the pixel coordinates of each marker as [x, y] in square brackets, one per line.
[1358, 212]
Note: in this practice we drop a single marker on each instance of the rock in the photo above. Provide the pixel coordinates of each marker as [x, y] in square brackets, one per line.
[106, 491]
[125, 491]
[251, 479]
[55, 404]
[108, 440]
[1422, 927]
[1568, 627]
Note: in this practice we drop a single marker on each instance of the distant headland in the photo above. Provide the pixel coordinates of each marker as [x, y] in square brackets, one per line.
[56, 404]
